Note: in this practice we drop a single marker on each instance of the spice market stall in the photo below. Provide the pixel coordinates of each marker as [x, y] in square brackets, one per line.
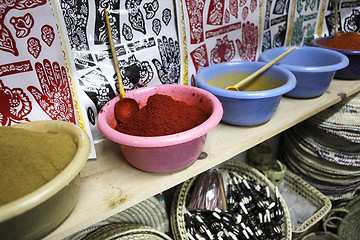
[157, 43]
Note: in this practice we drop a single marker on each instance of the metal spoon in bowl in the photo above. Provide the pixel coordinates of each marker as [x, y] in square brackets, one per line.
[255, 74]
[125, 108]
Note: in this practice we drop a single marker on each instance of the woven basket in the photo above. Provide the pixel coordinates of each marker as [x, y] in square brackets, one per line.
[180, 199]
[334, 180]
[312, 195]
[151, 212]
[349, 227]
[126, 231]
[344, 218]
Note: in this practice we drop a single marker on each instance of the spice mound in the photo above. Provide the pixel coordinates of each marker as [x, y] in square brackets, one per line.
[30, 159]
[347, 40]
[162, 115]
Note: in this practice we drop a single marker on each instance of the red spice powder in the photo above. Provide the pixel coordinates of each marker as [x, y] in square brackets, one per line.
[162, 116]
[347, 40]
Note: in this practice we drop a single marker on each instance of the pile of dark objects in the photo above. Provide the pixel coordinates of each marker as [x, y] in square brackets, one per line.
[232, 207]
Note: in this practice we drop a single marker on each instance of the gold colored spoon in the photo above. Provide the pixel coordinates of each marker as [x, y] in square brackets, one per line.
[125, 108]
[337, 32]
[255, 74]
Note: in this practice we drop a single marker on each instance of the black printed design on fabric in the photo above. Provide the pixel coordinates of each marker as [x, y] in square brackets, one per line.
[156, 26]
[169, 68]
[151, 9]
[76, 15]
[98, 89]
[352, 22]
[100, 31]
[136, 18]
[127, 32]
[166, 16]
[279, 37]
[134, 73]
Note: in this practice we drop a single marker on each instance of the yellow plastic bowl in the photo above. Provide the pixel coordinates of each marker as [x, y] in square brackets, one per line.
[39, 212]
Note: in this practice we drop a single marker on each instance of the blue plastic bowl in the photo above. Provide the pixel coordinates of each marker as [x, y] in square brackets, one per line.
[254, 105]
[313, 67]
[352, 71]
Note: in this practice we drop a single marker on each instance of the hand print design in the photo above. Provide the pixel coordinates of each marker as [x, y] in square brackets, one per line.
[54, 97]
[15, 105]
[169, 68]
[247, 47]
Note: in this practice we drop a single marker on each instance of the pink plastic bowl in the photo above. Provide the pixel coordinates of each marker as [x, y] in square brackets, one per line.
[164, 153]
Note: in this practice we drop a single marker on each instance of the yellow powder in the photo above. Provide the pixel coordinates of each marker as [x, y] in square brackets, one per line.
[29, 159]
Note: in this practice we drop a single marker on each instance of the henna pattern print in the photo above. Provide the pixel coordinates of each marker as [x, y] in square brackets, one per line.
[247, 47]
[127, 32]
[54, 97]
[34, 47]
[98, 89]
[22, 25]
[199, 58]
[100, 31]
[166, 16]
[224, 51]
[169, 68]
[15, 105]
[280, 7]
[234, 8]
[266, 41]
[47, 34]
[156, 26]
[245, 12]
[275, 24]
[7, 41]
[216, 11]
[134, 73]
[253, 5]
[227, 16]
[151, 9]
[195, 17]
[76, 14]
[136, 17]
[352, 22]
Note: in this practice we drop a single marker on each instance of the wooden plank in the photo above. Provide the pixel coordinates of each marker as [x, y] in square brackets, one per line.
[110, 185]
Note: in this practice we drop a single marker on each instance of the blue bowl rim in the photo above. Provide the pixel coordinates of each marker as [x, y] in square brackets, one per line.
[288, 86]
[344, 61]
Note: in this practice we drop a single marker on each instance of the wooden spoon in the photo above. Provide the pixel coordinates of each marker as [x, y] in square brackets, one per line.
[255, 74]
[337, 32]
[125, 108]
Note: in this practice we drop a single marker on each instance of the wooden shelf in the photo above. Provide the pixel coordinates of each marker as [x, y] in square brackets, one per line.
[110, 185]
